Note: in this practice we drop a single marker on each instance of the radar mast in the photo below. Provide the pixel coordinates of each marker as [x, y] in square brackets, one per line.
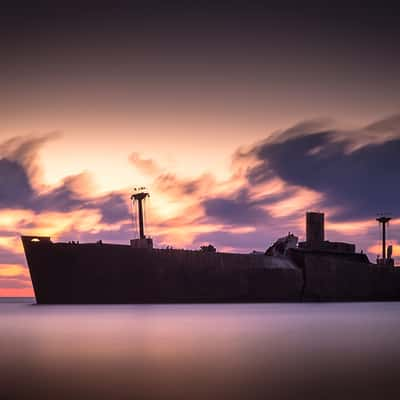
[383, 220]
[139, 195]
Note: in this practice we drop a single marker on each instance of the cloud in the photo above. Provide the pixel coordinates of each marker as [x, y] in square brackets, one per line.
[232, 211]
[19, 176]
[17, 191]
[175, 186]
[15, 281]
[15, 187]
[356, 177]
[113, 207]
[10, 257]
[24, 150]
[122, 234]
[383, 130]
[246, 240]
[228, 240]
[67, 196]
[145, 165]
[17, 173]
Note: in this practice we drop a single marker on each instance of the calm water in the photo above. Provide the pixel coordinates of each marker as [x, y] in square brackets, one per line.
[275, 351]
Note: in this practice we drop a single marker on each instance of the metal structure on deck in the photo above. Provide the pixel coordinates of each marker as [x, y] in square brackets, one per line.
[383, 220]
[140, 195]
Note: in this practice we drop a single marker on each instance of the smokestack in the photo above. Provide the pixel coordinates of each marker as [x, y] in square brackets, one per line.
[315, 227]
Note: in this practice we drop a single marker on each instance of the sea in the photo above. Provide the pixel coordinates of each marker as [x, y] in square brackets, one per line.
[210, 351]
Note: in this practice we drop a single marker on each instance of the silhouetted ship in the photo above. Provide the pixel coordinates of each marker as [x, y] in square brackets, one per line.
[314, 270]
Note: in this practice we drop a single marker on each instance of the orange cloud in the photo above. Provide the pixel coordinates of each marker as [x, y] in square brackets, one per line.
[15, 281]
[16, 292]
[302, 200]
[10, 270]
[145, 165]
[377, 249]
[351, 227]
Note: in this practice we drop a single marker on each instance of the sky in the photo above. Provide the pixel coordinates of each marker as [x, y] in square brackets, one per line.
[237, 117]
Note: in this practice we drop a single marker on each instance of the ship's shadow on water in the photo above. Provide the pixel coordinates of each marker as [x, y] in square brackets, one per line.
[232, 351]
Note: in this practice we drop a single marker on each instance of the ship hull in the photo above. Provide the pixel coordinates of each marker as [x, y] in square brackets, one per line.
[96, 273]
[67, 273]
[345, 277]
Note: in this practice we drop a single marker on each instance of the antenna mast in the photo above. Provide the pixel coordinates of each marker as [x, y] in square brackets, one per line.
[139, 195]
[383, 219]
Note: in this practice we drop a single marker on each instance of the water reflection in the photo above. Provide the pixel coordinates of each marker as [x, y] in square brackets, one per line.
[279, 351]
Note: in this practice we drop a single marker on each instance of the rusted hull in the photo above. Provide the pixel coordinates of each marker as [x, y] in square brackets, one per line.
[64, 273]
[68, 273]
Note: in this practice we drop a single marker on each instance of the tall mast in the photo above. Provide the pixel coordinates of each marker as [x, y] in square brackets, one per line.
[139, 195]
[383, 220]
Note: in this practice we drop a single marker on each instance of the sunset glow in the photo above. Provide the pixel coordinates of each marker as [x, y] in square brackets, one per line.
[236, 133]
